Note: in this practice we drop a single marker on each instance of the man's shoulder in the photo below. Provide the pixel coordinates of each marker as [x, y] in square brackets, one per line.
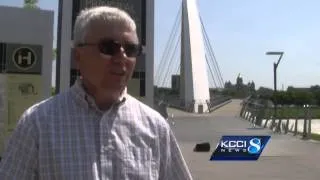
[47, 106]
[147, 112]
[142, 107]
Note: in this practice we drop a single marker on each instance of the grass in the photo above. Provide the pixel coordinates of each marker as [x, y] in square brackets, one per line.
[315, 136]
[292, 113]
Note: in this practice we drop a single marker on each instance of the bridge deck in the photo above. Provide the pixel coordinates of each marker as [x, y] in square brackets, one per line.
[285, 156]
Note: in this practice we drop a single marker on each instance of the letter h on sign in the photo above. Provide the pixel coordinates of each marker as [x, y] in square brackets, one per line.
[25, 58]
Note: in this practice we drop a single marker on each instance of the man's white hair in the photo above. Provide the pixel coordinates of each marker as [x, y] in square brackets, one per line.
[107, 14]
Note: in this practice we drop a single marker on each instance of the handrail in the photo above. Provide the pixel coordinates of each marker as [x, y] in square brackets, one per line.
[255, 113]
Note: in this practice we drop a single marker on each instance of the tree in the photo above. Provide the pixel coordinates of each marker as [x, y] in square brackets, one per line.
[265, 93]
[302, 98]
[53, 91]
[54, 53]
[31, 4]
[282, 98]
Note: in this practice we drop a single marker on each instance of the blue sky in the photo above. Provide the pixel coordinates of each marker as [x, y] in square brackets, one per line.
[242, 31]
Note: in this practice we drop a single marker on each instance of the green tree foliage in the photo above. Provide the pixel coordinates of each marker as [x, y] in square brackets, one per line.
[264, 93]
[315, 90]
[54, 53]
[298, 98]
[31, 4]
[53, 91]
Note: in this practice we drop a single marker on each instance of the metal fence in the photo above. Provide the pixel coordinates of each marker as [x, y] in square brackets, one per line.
[176, 102]
[261, 115]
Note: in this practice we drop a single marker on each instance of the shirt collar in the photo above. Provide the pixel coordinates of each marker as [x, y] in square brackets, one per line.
[88, 100]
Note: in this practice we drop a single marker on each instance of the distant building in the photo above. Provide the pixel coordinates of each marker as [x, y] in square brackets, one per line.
[239, 81]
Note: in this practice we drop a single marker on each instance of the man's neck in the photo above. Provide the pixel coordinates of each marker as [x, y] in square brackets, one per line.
[104, 99]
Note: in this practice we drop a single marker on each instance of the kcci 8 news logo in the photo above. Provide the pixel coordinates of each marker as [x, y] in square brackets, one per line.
[240, 148]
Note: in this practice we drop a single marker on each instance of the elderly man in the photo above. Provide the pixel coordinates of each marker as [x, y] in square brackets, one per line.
[96, 130]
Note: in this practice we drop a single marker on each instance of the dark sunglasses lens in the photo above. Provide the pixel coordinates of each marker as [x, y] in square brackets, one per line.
[109, 48]
[132, 50]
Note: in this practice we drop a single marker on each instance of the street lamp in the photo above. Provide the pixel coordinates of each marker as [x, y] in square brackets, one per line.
[275, 66]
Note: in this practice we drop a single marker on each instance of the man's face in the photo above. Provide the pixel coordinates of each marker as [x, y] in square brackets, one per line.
[103, 71]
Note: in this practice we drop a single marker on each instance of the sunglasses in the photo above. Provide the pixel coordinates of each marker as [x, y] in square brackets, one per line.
[111, 47]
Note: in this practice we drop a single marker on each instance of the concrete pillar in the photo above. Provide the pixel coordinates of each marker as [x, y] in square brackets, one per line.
[65, 43]
[194, 77]
[149, 53]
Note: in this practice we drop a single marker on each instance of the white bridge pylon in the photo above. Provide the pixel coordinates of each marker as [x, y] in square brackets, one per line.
[194, 83]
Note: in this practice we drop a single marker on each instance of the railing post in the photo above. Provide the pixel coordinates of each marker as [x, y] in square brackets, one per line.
[304, 134]
[296, 126]
[247, 113]
[260, 115]
[253, 114]
[273, 119]
[287, 125]
[278, 128]
[244, 111]
[296, 122]
[267, 120]
[243, 108]
[309, 123]
[256, 110]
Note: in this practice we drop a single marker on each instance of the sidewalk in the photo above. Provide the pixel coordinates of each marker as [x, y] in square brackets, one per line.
[285, 157]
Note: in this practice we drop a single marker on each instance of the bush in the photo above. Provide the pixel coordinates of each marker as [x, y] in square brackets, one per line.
[53, 91]
[292, 98]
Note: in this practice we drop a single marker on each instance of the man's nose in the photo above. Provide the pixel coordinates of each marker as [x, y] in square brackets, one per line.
[120, 55]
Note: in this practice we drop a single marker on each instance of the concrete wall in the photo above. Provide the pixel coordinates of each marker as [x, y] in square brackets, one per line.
[31, 28]
[28, 26]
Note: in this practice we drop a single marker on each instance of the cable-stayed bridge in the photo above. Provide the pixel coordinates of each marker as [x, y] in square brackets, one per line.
[188, 75]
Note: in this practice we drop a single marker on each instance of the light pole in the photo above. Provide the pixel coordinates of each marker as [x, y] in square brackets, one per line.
[275, 66]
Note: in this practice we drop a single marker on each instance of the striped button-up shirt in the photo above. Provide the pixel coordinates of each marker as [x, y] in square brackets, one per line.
[67, 137]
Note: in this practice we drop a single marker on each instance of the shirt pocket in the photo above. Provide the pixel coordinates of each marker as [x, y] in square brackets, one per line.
[138, 163]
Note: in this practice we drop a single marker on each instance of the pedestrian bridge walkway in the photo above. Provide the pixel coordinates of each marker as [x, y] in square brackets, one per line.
[285, 157]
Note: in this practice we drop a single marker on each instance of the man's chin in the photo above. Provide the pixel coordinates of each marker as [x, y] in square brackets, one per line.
[113, 95]
[114, 88]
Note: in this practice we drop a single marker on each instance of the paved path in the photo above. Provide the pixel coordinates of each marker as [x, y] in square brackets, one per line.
[285, 157]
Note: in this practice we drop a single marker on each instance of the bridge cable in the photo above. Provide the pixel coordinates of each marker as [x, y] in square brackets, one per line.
[208, 55]
[212, 62]
[215, 63]
[211, 53]
[170, 62]
[176, 60]
[210, 69]
[164, 60]
[217, 68]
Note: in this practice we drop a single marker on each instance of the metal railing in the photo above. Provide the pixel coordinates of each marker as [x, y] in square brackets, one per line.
[256, 113]
[177, 103]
